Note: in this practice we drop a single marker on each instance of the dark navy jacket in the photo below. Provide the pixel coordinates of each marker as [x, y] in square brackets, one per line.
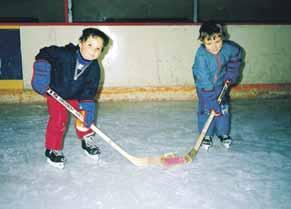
[63, 62]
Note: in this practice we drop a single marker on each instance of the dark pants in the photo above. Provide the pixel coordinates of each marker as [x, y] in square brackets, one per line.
[220, 124]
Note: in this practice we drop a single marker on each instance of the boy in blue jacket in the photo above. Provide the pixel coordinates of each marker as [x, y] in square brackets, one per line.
[74, 73]
[217, 61]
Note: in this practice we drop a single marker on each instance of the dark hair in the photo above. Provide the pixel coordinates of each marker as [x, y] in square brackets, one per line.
[87, 32]
[208, 29]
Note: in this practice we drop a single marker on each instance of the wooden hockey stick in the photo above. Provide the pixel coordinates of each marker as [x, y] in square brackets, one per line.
[138, 161]
[187, 158]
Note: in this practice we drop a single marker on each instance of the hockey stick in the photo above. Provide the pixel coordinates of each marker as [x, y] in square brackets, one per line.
[138, 161]
[187, 158]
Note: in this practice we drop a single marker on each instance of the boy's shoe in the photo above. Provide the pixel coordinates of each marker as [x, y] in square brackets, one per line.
[55, 158]
[90, 148]
[207, 142]
[225, 140]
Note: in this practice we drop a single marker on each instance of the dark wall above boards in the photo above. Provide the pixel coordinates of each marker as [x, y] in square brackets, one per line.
[247, 11]
[132, 10]
[228, 11]
[32, 11]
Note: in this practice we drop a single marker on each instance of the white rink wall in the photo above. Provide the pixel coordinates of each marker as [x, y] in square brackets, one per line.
[162, 55]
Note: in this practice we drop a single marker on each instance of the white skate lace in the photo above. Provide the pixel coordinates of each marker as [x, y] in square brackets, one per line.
[57, 152]
[90, 142]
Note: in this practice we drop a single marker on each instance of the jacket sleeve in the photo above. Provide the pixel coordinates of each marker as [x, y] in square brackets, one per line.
[233, 66]
[201, 73]
[50, 54]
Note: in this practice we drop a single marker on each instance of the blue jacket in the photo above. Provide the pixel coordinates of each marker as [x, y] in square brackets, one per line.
[63, 62]
[210, 70]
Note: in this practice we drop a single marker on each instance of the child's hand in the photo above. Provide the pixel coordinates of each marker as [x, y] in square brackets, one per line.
[227, 82]
[216, 113]
[89, 107]
[231, 76]
[214, 106]
[209, 99]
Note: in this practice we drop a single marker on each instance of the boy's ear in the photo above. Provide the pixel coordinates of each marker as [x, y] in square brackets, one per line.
[221, 29]
[80, 44]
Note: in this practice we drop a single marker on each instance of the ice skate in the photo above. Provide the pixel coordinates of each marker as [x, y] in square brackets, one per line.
[226, 141]
[90, 148]
[207, 142]
[55, 158]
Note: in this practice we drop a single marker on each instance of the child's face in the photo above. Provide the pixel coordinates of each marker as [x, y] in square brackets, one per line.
[213, 44]
[91, 48]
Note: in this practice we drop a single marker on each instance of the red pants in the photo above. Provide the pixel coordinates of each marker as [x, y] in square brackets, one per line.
[58, 122]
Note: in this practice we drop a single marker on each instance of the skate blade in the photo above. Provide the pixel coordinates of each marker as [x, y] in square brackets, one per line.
[56, 165]
[93, 157]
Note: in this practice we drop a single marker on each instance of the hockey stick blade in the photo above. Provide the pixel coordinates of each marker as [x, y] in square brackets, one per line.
[188, 158]
[178, 160]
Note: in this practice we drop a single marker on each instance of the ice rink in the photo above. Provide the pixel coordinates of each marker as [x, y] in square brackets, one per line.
[254, 174]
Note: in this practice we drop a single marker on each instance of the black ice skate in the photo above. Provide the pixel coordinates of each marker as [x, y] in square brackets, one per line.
[225, 140]
[90, 148]
[55, 158]
[207, 142]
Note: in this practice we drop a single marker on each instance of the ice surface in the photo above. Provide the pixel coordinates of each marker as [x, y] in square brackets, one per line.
[255, 173]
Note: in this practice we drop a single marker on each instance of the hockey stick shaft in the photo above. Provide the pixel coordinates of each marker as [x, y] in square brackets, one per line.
[144, 161]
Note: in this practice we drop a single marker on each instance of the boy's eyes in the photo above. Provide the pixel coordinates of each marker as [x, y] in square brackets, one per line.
[208, 43]
[216, 38]
[218, 41]
[91, 46]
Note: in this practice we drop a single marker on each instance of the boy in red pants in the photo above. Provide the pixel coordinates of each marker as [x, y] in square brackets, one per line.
[74, 73]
